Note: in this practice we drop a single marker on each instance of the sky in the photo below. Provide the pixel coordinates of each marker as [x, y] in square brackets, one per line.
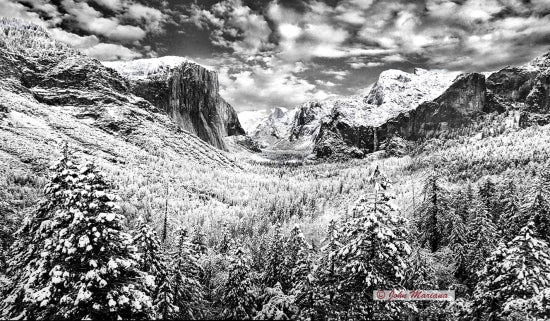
[281, 53]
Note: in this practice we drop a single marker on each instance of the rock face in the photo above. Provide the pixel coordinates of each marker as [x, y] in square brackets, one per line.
[51, 92]
[527, 86]
[187, 92]
[461, 102]
[341, 124]
[522, 88]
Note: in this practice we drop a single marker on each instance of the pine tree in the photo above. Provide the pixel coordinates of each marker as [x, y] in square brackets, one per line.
[198, 240]
[488, 197]
[299, 266]
[538, 210]
[482, 240]
[325, 298]
[277, 305]
[238, 299]
[373, 256]
[188, 291]
[297, 259]
[512, 217]
[148, 245]
[430, 220]
[458, 243]
[82, 264]
[516, 271]
[153, 261]
[274, 272]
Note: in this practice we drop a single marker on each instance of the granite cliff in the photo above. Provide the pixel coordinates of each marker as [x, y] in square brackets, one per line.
[187, 92]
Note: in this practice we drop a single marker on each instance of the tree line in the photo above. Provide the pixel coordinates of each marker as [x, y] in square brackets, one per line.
[77, 257]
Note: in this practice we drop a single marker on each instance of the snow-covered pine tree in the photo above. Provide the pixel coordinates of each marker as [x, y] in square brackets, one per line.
[519, 270]
[373, 255]
[297, 259]
[482, 237]
[488, 197]
[277, 305]
[149, 250]
[188, 291]
[275, 259]
[225, 239]
[152, 260]
[325, 298]
[458, 243]
[429, 215]
[299, 265]
[512, 217]
[538, 210]
[198, 240]
[83, 265]
[238, 298]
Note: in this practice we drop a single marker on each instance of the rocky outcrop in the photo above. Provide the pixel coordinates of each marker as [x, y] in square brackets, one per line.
[462, 101]
[187, 92]
[525, 89]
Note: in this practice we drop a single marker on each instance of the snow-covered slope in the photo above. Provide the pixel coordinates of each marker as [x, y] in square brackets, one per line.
[395, 92]
[141, 69]
[186, 91]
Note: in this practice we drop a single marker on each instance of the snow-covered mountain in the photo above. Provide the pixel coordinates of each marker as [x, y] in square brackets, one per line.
[395, 92]
[186, 91]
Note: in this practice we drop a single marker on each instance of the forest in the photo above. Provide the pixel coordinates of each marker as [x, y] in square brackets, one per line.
[93, 249]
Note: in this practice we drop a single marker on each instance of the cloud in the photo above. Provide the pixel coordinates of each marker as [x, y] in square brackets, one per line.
[16, 10]
[109, 51]
[153, 19]
[234, 26]
[260, 87]
[114, 5]
[91, 20]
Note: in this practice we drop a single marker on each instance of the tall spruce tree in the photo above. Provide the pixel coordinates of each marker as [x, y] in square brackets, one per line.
[188, 291]
[513, 217]
[538, 210]
[373, 255]
[482, 239]
[238, 298]
[297, 259]
[325, 298]
[80, 263]
[518, 270]
[430, 218]
[274, 272]
[152, 260]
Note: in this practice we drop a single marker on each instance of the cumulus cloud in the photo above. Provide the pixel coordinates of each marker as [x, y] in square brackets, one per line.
[234, 26]
[259, 87]
[111, 29]
[110, 51]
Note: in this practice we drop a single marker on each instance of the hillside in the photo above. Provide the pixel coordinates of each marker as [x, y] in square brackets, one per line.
[394, 93]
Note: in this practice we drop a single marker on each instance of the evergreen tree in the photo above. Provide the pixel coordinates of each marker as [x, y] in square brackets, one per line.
[297, 259]
[458, 243]
[325, 299]
[482, 240]
[153, 261]
[198, 240]
[430, 220]
[81, 263]
[238, 298]
[516, 271]
[274, 272]
[373, 256]
[277, 305]
[538, 210]
[512, 217]
[488, 197]
[188, 291]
